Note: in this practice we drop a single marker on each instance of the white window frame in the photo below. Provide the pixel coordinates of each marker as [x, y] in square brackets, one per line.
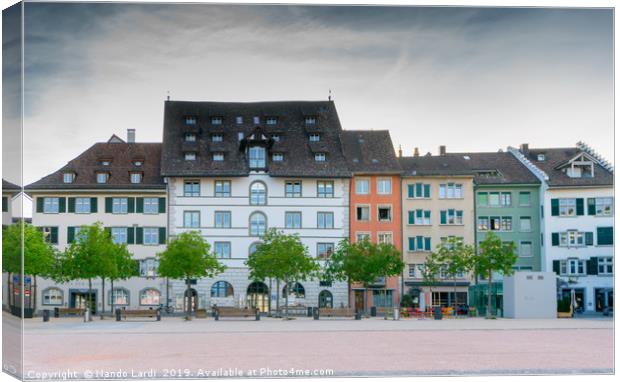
[606, 263]
[360, 189]
[68, 177]
[82, 206]
[363, 206]
[218, 157]
[190, 156]
[224, 251]
[384, 186]
[120, 206]
[119, 235]
[382, 206]
[295, 217]
[135, 177]
[222, 219]
[320, 157]
[191, 217]
[567, 207]
[150, 206]
[150, 236]
[277, 157]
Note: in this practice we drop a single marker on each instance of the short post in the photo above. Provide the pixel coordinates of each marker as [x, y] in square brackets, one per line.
[373, 311]
[158, 314]
[310, 311]
[46, 315]
[118, 314]
[216, 314]
[56, 312]
[257, 315]
[315, 312]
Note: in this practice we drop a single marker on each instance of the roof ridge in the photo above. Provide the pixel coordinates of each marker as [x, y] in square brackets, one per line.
[600, 159]
[528, 164]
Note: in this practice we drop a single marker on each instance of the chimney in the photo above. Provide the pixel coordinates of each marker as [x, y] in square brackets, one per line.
[131, 135]
[416, 152]
[400, 151]
[525, 149]
[442, 150]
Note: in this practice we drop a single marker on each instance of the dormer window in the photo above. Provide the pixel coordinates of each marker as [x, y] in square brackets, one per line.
[105, 162]
[136, 177]
[315, 137]
[275, 137]
[320, 157]
[190, 121]
[239, 120]
[216, 120]
[68, 177]
[190, 137]
[190, 156]
[310, 120]
[540, 157]
[256, 157]
[271, 120]
[137, 163]
[217, 138]
[256, 120]
[277, 157]
[218, 157]
[102, 177]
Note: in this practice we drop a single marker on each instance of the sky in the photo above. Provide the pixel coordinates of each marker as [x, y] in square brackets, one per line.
[473, 79]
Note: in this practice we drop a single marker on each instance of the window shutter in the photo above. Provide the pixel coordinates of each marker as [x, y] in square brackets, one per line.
[70, 234]
[71, 205]
[604, 235]
[54, 235]
[130, 235]
[411, 217]
[131, 205]
[419, 243]
[579, 202]
[412, 243]
[162, 205]
[108, 205]
[555, 207]
[427, 243]
[589, 238]
[410, 191]
[162, 235]
[427, 190]
[555, 239]
[139, 205]
[418, 190]
[591, 206]
[592, 266]
[93, 205]
[419, 213]
[139, 235]
[556, 266]
[62, 204]
[40, 202]
[427, 214]
[5, 204]
[459, 213]
[442, 218]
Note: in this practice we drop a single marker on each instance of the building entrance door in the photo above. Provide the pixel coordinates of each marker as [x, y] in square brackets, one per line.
[80, 300]
[258, 296]
[604, 298]
[359, 300]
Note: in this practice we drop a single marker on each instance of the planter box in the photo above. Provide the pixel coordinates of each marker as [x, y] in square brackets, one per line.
[565, 315]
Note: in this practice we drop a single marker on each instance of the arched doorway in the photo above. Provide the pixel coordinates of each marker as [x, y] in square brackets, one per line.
[326, 300]
[258, 296]
[191, 300]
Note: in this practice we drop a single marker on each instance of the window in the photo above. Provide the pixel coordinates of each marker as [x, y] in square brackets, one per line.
[258, 194]
[118, 296]
[151, 205]
[68, 177]
[573, 267]
[451, 191]
[190, 137]
[217, 138]
[320, 157]
[119, 205]
[51, 205]
[361, 236]
[605, 235]
[310, 120]
[384, 238]
[240, 136]
[505, 199]
[420, 243]
[483, 223]
[136, 177]
[362, 213]
[257, 157]
[325, 189]
[50, 234]
[221, 289]
[82, 205]
[256, 120]
[525, 198]
[325, 220]
[362, 186]
[495, 223]
[568, 207]
[483, 199]
[418, 191]
[451, 217]
[293, 219]
[190, 120]
[450, 241]
[191, 188]
[191, 219]
[149, 297]
[271, 120]
[5, 204]
[525, 249]
[506, 223]
[605, 265]
[119, 235]
[222, 188]
[258, 224]
[419, 217]
[604, 206]
[494, 199]
[190, 156]
[384, 186]
[216, 120]
[222, 249]
[218, 157]
[541, 157]
[277, 157]
[572, 239]
[412, 270]
[525, 224]
[385, 213]
[324, 250]
[52, 296]
[102, 177]
[275, 137]
[297, 291]
[239, 120]
[314, 137]
[292, 189]
[151, 236]
[148, 267]
[222, 219]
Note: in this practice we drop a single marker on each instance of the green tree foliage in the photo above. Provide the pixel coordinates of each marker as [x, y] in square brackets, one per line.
[123, 267]
[494, 256]
[455, 258]
[188, 256]
[430, 270]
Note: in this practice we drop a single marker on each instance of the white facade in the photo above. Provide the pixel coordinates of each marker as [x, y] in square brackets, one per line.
[238, 237]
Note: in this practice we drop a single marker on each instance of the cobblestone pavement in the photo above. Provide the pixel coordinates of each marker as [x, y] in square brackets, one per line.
[272, 347]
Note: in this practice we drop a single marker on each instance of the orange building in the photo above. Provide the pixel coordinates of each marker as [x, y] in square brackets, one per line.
[375, 207]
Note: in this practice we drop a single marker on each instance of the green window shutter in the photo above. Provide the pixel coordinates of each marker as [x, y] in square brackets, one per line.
[579, 206]
[71, 205]
[605, 235]
[93, 205]
[62, 204]
[592, 266]
[131, 205]
[410, 191]
[419, 213]
[442, 217]
[130, 235]
[412, 243]
[54, 235]
[427, 190]
[555, 207]
[418, 190]
[70, 234]
[139, 235]
[427, 214]
[419, 243]
[5, 204]
[555, 239]
[591, 206]
[556, 266]
[162, 205]
[162, 235]
[108, 205]
[459, 213]
[139, 205]
[411, 217]
[589, 238]
[40, 202]
[427, 243]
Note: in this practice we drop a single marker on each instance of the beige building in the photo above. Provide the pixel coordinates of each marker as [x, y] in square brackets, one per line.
[438, 203]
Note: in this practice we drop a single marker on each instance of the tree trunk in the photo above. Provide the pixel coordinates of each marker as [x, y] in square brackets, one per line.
[489, 294]
[11, 292]
[270, 289]
[455, 300]
[90, 299]
[278, 298]
[112, 296]
[286, 298]
[385, 313]
[34, 294]
[189, 301]
[102, 298]
[348, 294]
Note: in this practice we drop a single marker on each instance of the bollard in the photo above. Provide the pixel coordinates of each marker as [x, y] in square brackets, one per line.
[396, 316]
[87, 315]
[257, 315]
[56, 312]
[373, 311]
[310, 311]
[117, 312]
[437, 313]
[158, 314]
[46, 315]
[315, 313]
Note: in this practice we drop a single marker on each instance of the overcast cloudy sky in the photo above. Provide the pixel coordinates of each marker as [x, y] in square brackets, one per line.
[471, 79]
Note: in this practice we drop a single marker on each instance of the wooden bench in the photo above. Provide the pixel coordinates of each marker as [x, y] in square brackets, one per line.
[336, 312]
[201, 313]
[227, 311]
[68, 312]
[126, 313]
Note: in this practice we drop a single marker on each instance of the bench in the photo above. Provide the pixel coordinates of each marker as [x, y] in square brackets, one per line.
[68, 312]
[126, 313]
[336, 312]
[201, 313]
[227, 311]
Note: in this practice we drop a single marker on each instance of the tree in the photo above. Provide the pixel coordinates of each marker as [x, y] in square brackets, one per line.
[124, 267]
[284, 258]
[429, 271]
[188, 256]
[39, 255]
[494, 256]
[456, 259]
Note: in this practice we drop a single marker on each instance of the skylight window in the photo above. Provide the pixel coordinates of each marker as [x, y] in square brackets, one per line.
[216, 120]
[137, 163]
[217, 138]
[256, 120]
[218, 157]
[310, 120]
[136, 177]
[276, 137]
[315, 137]
[278, 157]
[190, 120]
[190, 156]
[271, 120]
[239, 120]
[320, 157]
[190, 137]
[102, 177]
[541, 157]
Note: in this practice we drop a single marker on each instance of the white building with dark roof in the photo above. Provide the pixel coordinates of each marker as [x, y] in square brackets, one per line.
[9, 191]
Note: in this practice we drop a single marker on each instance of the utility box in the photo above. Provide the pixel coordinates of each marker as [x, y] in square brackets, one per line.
[530, 295]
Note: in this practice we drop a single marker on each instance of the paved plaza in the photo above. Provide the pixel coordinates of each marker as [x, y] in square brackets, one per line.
[305, 347]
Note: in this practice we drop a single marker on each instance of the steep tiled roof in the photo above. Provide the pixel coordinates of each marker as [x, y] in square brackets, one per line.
[294, 143]
[121, 156]
[555, 157]
[370, 152]
[8, 186]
